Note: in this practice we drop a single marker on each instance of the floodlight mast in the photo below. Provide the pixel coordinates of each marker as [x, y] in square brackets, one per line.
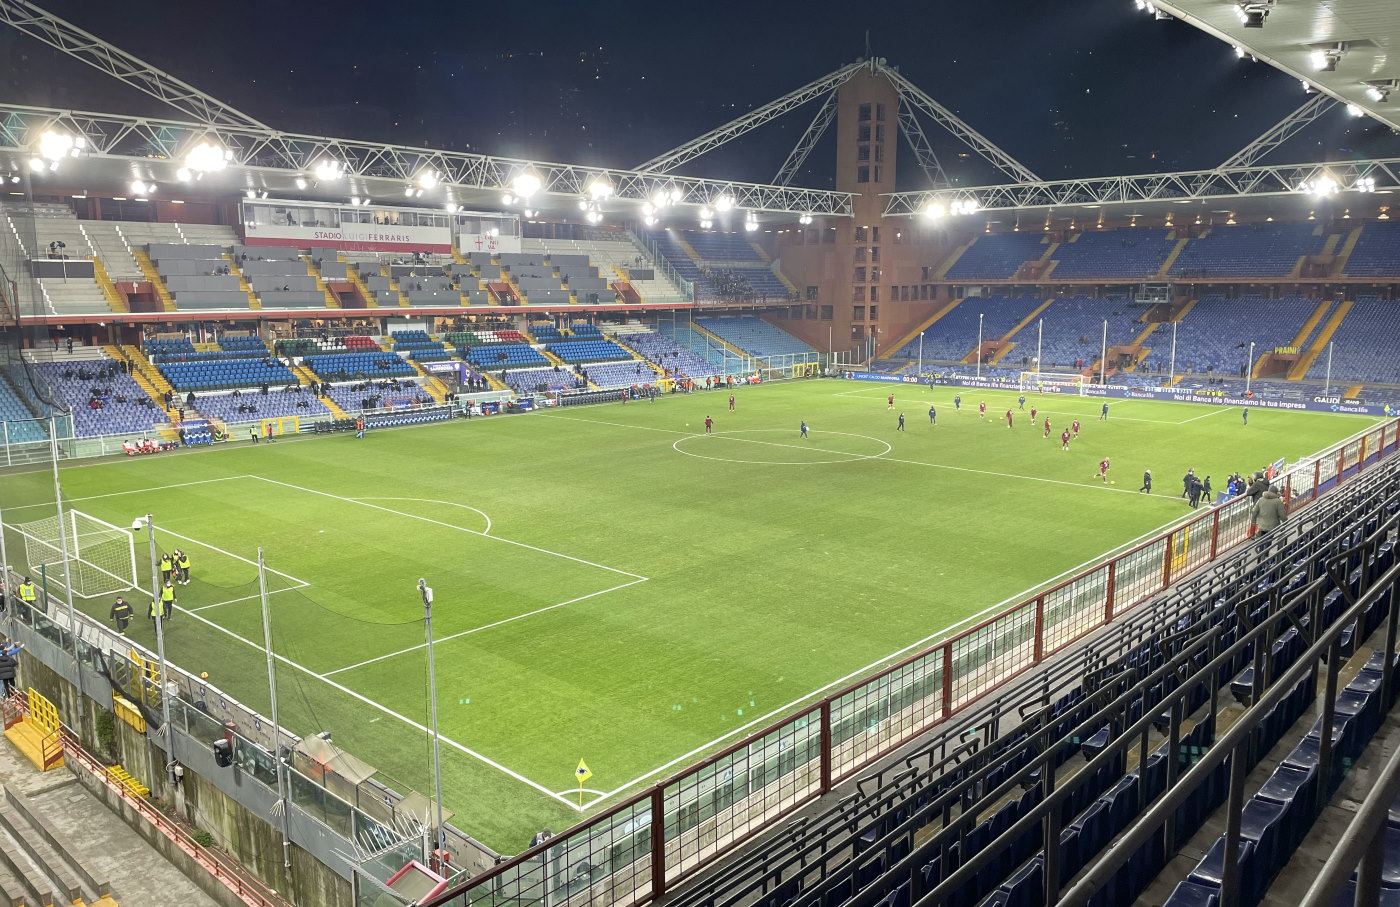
[426, 592]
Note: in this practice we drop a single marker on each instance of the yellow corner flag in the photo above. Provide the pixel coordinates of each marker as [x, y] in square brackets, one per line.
[583, 773]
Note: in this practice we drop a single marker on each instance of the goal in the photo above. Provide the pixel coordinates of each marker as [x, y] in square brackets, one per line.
[101, 557]
[1053, 382]
[285, 425]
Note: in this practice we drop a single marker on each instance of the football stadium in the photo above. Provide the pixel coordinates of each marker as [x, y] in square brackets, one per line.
[383, 523]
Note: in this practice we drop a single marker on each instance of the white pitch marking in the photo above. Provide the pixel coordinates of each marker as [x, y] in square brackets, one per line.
[486, 531]
[414, 516]
[287, 576]
[115, 494]
[391, 713]
[489, 626]
[234, 601]
[1216, 412]
[985, 472]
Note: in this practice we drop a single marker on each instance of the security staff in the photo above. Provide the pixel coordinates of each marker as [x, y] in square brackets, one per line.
[158, 609]
[121, 614]
[28, 593]
[182, 563]
[167, 600]
[166, 565]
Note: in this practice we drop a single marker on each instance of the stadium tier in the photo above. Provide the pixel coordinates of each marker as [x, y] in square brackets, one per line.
[954, 336]
[1364, 345]
[1074, 330]
[378, 393]
[997, 256]
[1123, 253]
[19, 419]
[1216, 332]
[722, 265]
[1249, 250]
[756, 337]
[618, 374]
[355, 366]
[504, 355]
[588, 350]
[533, 380]
[247, 407]
[225, 373]
[1376, 253]
[102, 399]
[670, 355]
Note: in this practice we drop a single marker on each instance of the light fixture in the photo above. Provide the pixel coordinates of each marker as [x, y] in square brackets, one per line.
[328, 169]
[507, 199]
[706, 223]
[453, 207]
[1384, 215]
[1355, 110]
[676, 194]
[805, 219]
[526, 184]
[428, 179]
[1239, 52]
[207, 157]
[1365, 184]
[648, 209]
[1379, 91]
[723, 202]
[1253, 13]
[649, 220]
[935, 210]
[1323, 186]
[600, 188]
[595, 217]
[138, 187]
[301, 182]
[1325, 59]
[1307, 87]
[183, 174]
[706, 214]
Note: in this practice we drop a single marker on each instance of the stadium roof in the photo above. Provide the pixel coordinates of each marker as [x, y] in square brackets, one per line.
[1297, 34]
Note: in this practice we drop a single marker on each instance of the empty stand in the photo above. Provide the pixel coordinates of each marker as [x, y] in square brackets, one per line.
[954, 336]
[1376, 253]
[1113, 254]
[756, 337]
[997, 256]
[1249, 250]
[1363, 346]
[1216, 333]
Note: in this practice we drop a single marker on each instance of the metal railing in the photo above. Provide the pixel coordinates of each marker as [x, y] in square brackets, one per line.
[635, 851]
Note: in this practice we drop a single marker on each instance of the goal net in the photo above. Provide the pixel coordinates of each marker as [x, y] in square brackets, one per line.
[1053, 382]
[101, 557]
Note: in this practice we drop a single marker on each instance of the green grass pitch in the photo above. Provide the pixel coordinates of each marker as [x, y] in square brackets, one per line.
[612, 585]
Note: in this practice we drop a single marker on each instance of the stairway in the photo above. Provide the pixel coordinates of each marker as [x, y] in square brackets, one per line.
[1324, 336]
[951, 260]
[359, 285]
[1301, 338]
[688, 249]
[553, 359]
[717, 339]
[1008, 347]
[304, 375]
[331, 301]
[928, 323]
[109, 289]
[1343, 256]
[431, 383]
[146, 376]
[1171, 258]
[253, 301]
[148, 270]
[43, 861]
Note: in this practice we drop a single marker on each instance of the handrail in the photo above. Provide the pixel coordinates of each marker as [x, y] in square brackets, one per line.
[1146, 573]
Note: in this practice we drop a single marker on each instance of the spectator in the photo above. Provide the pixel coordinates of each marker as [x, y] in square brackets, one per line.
[1268, 512]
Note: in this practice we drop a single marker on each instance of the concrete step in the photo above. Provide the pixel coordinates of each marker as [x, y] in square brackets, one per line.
[51, 865]
[50, 848]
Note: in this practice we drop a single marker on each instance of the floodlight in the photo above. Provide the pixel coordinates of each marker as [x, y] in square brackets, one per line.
[301, 182]
[354, 199]
[249, 193]
[55, 146]
[706, 214]
[1380, 93]
[526, 184]
[649, 220]
[659, 198]
[329, 169]
[507, 199]
[600, 188]
[1365, 184]
[676, 194]
[428, 179]
[1239, 52]
[1252, 13]
[723, 202]
[453, 207]
[1355, 111]
[37, 164]
[805, 219]
[934, 210]
[595, 217]
[648, 209]
[706, 224]
[583, 204]
[183, 174]
[207, 157]
[750, 225]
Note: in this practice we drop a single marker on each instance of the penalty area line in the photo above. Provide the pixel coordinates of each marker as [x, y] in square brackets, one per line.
[506, 620]
[486, 760]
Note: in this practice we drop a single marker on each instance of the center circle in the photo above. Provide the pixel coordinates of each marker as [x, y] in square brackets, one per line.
[734, 440]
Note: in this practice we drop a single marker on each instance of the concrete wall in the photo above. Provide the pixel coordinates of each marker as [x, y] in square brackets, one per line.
[317, 877]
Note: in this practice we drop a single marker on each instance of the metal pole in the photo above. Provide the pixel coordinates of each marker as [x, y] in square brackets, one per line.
[1039, 342]
[160, 648]
[426, 591]
[1103, 357]
[979, 343]
[1171, 377]
[1249, 369]
[921, 352]
[1327, 388]
[63, 541]
[5, 569]
[276, 723]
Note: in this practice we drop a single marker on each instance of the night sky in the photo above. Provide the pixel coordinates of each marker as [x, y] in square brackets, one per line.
[1070, 87]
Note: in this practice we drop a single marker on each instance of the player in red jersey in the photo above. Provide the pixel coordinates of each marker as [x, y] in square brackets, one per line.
[1064, 439]
[731, 403]
[1008, 418]
[890, 402]
[982, 409]
[709, 425]
[1074, 427]
[1103, 470]
[1047, 426]
[1032, 414]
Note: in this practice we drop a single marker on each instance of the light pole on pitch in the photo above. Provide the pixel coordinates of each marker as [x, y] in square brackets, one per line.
[426, 592]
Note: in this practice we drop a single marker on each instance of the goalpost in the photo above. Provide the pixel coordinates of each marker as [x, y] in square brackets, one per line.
[102, 557]
[285, 425]
[1062, 382]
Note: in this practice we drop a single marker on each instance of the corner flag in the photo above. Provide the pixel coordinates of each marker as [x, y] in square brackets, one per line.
[582, 773]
